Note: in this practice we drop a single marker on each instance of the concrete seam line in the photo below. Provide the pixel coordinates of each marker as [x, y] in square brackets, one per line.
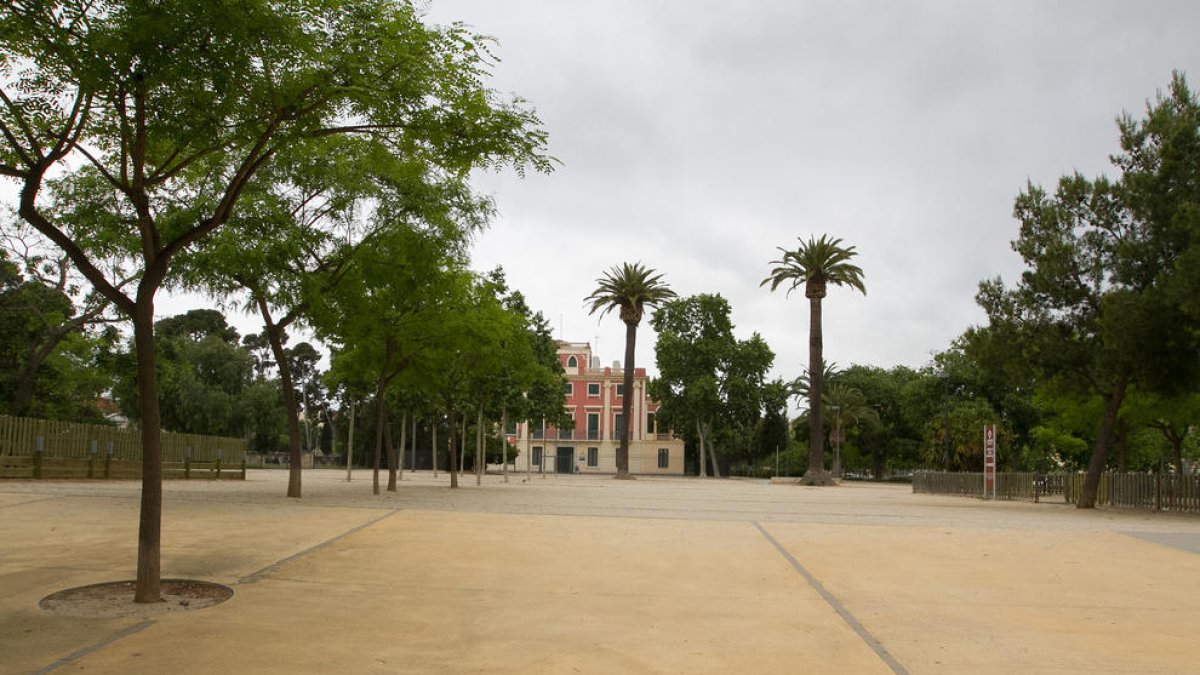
[255, 576]
[837, 606]
[74, 656]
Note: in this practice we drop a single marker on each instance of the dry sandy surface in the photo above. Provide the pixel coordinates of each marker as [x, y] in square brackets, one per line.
[567, 574]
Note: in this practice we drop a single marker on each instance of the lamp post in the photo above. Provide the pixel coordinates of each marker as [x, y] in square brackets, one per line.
[837, 440]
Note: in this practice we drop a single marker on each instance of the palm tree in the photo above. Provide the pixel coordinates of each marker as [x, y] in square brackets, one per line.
[851, 408]
[629, 288]
[816, 264]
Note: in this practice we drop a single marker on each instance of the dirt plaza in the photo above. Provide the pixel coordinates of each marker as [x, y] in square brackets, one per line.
[566, 574]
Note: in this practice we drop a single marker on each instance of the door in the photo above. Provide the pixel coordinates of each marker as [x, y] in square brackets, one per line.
[565, 460]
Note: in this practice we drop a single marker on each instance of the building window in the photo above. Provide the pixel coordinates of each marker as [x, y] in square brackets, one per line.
[618, 426]
[572, 362]
[664, 458]
[537, 455]
[593, 456]
[569, 389]
[594, 389]
[593, 426]
[650, 428]
[620, 390]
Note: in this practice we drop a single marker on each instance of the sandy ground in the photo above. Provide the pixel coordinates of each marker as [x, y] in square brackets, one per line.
[564, 574]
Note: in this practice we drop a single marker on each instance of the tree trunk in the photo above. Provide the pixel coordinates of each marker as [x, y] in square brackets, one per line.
[816, 474]
[27, 375]
[413, 452]
[712, 456]
[275, 337]
[391, 455]
[433, 444]
[380, 422]
[462, 448]
[504, 444]
[479, 454]
[350, 441]
[403, 442]
[626, 402]
[451, 448]
[702, 471]
[149, 586]
[1091, 482]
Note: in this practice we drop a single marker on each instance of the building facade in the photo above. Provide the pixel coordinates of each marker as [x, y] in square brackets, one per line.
[594, 397]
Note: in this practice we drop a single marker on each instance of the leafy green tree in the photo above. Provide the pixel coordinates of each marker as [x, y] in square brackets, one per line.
[1100, 305]
[389, 312]
[849, 408]
[629, 289]
[206, 379]
[816, 263]
[771, 435]
[55, 340]
[159, 116]
[710, 383]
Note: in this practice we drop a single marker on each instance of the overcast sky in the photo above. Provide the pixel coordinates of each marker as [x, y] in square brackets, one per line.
[697, 136]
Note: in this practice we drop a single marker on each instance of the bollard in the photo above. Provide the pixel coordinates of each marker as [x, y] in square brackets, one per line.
[38, 448]
[217, 471]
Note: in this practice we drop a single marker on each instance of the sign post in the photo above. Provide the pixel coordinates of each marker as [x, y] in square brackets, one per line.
[989, 460]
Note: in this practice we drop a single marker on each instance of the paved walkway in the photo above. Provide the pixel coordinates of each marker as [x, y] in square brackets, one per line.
[589, 575]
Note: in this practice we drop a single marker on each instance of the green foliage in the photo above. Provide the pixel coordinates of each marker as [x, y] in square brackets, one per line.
[628, 288]
[816, 263]
[54, 358]
[1105, 306]
[710, 384]
[208, 382]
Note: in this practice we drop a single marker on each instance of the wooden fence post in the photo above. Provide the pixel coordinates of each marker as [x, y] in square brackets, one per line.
[217, 473]
[92, 459]
[108, 460]
[187, 463]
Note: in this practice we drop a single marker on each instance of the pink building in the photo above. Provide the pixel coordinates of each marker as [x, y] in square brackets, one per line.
[594, 397]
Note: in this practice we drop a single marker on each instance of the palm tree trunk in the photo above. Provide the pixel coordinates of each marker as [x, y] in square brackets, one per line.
[627, 401]
[816, 379]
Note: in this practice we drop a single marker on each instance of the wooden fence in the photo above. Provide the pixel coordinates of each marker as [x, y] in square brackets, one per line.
[1149, 491]
[33, 448]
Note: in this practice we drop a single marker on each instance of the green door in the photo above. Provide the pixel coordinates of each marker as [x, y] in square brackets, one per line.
[565, 460]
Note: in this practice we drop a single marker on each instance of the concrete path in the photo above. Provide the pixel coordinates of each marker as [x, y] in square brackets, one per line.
[578, 574]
